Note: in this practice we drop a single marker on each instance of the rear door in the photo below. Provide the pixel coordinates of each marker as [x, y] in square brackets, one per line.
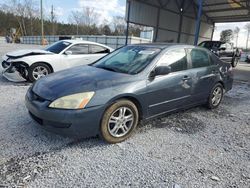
[203, 72]
[171, 91]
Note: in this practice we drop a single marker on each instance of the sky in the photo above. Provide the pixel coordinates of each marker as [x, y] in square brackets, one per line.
[106, 8]
[109, 8]
[242, 34]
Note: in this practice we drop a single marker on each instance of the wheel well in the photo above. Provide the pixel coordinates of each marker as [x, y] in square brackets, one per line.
[51, 68]
[136, 102]
[222, 84]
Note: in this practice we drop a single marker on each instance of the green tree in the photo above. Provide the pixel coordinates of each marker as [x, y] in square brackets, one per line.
[226, 35]
[105, 30]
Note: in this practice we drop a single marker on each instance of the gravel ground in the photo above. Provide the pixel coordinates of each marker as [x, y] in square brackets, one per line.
[193, 148]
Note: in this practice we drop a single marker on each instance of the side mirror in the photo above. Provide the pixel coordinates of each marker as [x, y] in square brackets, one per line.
[68, 52]
[161, 70]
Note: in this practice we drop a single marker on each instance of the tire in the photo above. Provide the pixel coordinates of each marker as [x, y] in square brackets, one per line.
[37, 71]
[114, 128]
[238, 54]
[235, 61]
[211, 103]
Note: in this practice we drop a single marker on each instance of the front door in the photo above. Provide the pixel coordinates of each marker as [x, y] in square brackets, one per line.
[79, 55]
[96, 52]
[172, 91]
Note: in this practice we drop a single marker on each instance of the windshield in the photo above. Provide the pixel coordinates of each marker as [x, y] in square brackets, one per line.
[129, 59]
[58, 47]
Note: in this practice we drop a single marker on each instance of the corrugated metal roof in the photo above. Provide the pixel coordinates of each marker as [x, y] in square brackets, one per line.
[227, 10]
[214, 10]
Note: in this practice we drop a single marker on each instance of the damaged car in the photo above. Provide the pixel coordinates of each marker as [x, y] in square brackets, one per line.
[109, 97]
[31, 65]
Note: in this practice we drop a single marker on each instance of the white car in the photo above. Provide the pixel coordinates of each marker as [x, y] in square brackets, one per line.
[33, 64]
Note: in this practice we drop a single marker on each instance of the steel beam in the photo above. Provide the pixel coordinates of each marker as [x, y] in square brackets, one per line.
[181, 9]
[157, 24]
[198, 23]
[128, 19]
[42, 31]
[225, 9]
[212, 35]
[218, 4]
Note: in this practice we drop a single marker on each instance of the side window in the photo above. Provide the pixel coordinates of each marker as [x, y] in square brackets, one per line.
[199, 58]
[95, 49]
[79, 49]
[176, 59]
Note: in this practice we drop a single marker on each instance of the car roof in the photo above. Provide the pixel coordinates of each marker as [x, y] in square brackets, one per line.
[79, 41]
[163, 45]
[213, 41]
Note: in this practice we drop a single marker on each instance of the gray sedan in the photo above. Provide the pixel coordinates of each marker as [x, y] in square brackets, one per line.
[109, 98]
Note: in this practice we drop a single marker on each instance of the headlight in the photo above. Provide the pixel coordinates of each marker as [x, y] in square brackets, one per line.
[75, 101]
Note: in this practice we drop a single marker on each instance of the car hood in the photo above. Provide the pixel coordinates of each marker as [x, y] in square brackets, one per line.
[22, 53]
[76, 80]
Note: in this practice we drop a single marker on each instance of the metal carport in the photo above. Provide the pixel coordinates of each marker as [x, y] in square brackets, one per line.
[185, 21]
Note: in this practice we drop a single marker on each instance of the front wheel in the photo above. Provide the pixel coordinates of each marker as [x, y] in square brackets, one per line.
[215, 96]
[37, 71]
[119, 121]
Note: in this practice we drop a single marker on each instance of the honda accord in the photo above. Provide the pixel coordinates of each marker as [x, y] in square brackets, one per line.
[109, 97]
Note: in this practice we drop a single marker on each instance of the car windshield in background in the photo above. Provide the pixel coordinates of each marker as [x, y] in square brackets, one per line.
[129, 59]
[58, 47]
[210, 44]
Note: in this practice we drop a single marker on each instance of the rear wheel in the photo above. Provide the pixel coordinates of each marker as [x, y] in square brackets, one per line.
[119, 121]
[235, 61]
[215, 96]
[37, 71]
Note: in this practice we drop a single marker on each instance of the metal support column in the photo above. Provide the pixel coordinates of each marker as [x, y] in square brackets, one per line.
[181, 9]
[180, 27]
[212, 36]
[198, 23]
[42, 32]
[157, 25]
[128, 19]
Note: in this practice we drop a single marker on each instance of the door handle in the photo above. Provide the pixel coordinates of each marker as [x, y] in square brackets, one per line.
[186, 78]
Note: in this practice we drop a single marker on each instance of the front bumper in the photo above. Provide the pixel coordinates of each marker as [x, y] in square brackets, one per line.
[78, 123]
[12, 74]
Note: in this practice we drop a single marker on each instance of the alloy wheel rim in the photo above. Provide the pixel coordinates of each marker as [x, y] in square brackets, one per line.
[120, 122]
[39, 72]
[217, 95]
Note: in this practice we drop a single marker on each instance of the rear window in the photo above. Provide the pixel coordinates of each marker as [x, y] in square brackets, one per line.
[95, 49]
[199, 58]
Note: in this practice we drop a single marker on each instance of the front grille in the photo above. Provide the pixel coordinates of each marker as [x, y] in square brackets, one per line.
[37, 119]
